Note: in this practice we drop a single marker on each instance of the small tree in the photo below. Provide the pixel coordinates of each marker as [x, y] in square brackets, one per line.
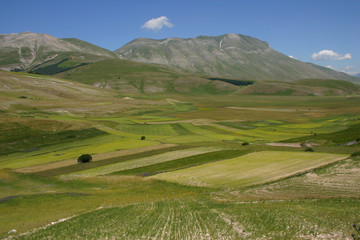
[84, 158]
[309, 149]
[143, 137]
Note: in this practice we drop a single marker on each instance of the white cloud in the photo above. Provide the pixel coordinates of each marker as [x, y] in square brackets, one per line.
[330, 55]
[347, 69]
[351, 73]
[156, 24]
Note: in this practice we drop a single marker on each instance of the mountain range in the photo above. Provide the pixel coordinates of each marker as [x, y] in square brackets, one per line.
[231, 55]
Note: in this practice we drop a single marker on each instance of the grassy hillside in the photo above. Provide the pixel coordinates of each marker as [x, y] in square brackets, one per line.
[27, 136]
[65, 61]
[33, 95]
[303, 87]
[132, 77]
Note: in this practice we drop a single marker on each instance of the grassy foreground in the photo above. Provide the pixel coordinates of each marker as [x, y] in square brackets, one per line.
[199, 219]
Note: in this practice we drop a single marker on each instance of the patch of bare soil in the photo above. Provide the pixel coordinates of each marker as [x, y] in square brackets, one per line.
[296, 145]
[192, 121]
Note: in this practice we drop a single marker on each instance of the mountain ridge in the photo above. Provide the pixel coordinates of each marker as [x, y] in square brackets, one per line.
[25, 51]
[230, 55]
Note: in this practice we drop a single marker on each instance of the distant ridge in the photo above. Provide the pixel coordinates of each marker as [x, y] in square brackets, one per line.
[229, 55]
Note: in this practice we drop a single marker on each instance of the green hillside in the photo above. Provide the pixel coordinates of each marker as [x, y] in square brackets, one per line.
[303, 87]
[132, 77]
[65, 61]
[329, 83]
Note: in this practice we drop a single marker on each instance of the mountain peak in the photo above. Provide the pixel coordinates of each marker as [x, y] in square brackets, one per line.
[233, 35]
[211, 55]
[229, 55]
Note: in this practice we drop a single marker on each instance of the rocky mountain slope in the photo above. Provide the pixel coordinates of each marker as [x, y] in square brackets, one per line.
[230, 55]
[27, 51]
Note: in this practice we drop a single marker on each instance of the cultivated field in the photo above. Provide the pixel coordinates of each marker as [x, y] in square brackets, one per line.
[251, 169]
[141, 162]
[193, 166]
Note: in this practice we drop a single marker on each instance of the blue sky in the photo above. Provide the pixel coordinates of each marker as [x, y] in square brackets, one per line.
[325, 32]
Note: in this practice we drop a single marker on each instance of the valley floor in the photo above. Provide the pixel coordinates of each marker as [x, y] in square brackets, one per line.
[233, 167]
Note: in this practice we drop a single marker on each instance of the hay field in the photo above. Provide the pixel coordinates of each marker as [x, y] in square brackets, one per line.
[252, 169]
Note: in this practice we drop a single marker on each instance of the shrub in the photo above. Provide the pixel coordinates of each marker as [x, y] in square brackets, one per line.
[245, 144]
[309, 149]
[355, 154]
[84, 158]
[142, 137]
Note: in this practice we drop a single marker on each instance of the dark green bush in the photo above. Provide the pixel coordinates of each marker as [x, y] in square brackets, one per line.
[309, 149]
[245, 144]
[355, 154]
[84, 158]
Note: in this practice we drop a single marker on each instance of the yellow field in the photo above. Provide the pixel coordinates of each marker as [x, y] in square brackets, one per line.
[251, 169]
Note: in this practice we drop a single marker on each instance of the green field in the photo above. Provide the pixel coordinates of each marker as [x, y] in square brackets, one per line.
[252, 169]
[181, 163]
[179, 166]
[140, 162]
